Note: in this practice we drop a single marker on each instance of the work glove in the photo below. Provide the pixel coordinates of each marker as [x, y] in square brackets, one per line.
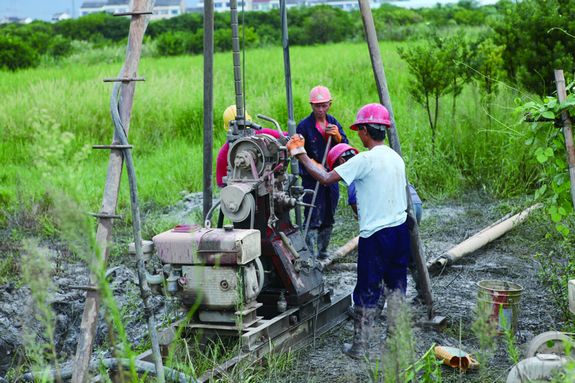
[333, 131]
[296, 145]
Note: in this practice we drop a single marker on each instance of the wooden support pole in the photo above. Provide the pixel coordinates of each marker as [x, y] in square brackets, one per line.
[104, 230]
[383, 92]
[567, 131]
[208, 103]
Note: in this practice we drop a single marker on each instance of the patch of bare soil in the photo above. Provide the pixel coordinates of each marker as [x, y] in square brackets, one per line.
[509, 258]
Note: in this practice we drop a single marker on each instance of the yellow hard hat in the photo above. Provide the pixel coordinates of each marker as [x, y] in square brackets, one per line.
[230, 114]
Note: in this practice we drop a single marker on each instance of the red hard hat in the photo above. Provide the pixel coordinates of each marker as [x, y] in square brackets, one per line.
[337, 151]
[372, 114]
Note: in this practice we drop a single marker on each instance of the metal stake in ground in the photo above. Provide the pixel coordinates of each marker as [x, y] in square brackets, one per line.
[208, 103]
[381, 83]
[567, 131]
[308, 219]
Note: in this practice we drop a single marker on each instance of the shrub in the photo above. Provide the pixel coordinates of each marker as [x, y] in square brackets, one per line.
[173, 43]
[537, 39]
[16, 54]
[59, 47]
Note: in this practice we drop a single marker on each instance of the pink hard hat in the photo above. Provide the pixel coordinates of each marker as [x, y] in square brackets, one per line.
[319, 94]
[337, 151]
[372, 114]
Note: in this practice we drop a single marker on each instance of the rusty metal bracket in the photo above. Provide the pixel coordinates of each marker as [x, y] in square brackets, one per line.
[112, 146]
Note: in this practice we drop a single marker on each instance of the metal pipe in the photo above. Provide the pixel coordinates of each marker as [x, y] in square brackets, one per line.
[294, 164]
[208, 104]
[276, 124]
[310, 211]
[237, 66]
[116, 364]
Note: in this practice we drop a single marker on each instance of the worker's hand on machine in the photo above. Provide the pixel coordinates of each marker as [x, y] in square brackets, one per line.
[296, 145]
[333, 131]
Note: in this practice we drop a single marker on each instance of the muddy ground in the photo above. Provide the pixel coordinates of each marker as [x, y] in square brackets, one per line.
[509, 258]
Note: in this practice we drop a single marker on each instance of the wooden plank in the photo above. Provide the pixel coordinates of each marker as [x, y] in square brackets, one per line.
[567, 132]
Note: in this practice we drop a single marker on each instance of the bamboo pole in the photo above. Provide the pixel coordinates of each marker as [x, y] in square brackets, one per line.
[383, 92]
[89, 323]
[208, 104]
[567, 131]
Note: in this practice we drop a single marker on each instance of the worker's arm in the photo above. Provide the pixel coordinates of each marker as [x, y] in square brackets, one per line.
[317, 171]
[296, 149]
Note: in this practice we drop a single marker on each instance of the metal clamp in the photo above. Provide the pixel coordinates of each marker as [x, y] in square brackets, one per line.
[133, 13]
[124, 79]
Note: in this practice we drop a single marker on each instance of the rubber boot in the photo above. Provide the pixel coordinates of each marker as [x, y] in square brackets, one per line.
[311, 242]
[362, 325]
[323, 237]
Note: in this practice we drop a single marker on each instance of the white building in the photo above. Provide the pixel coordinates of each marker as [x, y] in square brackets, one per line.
[60, 16]
[18, 20]
[266, 5]
[163, 9]
[224, 5]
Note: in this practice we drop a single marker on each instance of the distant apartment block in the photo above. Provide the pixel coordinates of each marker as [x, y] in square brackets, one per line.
[163, 9]
[266, 5]
[224, 5]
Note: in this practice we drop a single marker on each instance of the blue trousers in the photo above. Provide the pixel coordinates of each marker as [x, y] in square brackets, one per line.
[382, 263]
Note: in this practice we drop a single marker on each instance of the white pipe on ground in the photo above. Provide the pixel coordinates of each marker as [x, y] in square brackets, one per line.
[481, 239]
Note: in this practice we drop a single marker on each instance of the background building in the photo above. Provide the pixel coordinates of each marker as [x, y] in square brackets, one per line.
[163, 9]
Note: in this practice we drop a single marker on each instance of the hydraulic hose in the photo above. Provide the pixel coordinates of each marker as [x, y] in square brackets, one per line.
[145, 293]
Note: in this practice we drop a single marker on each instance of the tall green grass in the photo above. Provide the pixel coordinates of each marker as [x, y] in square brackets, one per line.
[166, 128]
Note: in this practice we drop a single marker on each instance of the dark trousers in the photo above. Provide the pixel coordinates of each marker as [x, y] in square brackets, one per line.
[382, 263]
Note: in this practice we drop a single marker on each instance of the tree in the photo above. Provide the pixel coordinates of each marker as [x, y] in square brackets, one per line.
[16, 54]
[487, 62]
[431, 78]
[537, 36]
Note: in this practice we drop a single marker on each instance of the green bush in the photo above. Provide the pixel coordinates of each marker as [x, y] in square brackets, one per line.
[59, 47]
[97, 27]
[537, 35]
[173, 43]
[16, 54]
